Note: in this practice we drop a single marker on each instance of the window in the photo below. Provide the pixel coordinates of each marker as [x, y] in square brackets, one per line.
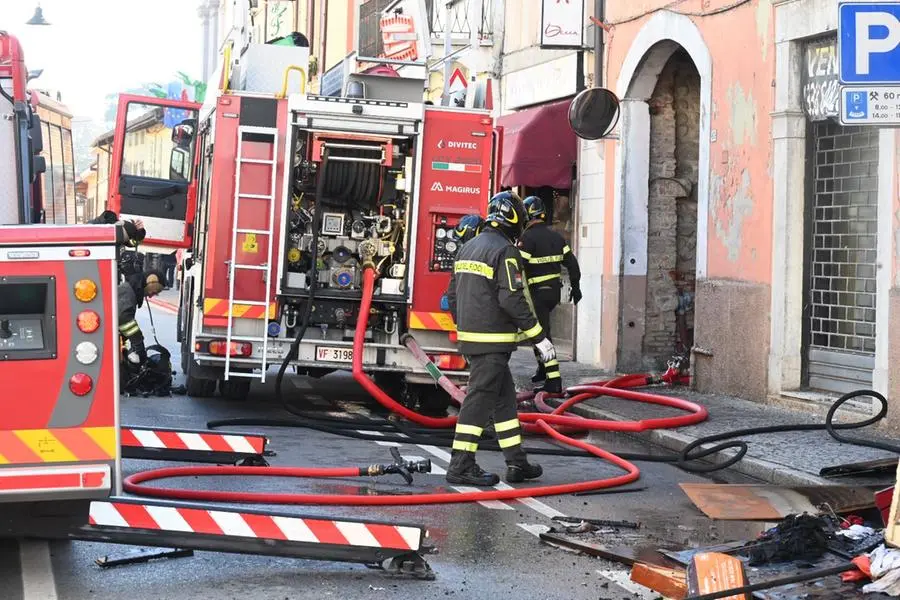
[159, 142]
[55, 204]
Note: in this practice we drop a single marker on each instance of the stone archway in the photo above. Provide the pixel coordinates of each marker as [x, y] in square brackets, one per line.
[664, 38]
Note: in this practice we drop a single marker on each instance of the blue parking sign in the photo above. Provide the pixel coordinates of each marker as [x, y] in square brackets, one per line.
[869, 42]
[856, 103]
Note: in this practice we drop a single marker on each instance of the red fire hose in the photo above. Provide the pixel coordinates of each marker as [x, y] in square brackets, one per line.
[545, 423]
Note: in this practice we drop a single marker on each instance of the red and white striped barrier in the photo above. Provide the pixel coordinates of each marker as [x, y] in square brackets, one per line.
[188, 445]
[259, 526]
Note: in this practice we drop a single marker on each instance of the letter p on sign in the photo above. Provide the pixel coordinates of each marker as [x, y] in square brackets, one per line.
[869, 38]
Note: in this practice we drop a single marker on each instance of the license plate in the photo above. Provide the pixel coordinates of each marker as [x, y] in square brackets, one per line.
[334, 354]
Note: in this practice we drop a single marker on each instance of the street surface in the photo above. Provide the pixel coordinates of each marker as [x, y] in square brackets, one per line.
[488, 550]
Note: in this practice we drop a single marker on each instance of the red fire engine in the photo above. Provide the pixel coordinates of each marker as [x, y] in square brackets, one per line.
[61, 443]
[289, 198]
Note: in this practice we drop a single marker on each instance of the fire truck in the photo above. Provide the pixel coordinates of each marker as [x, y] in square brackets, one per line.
[280, 197]
[61, 440]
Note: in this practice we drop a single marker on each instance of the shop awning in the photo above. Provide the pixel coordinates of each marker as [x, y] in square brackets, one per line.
[539, 147]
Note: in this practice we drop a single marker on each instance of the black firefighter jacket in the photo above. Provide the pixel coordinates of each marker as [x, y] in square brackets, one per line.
[544, 252]
[488, 299]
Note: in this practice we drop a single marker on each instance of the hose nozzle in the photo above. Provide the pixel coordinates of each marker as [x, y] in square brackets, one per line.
[404, 468]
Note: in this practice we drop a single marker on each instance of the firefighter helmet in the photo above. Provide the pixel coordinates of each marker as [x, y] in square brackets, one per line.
[154, 283]
[534, 206]
[507, 213]
[468, 227]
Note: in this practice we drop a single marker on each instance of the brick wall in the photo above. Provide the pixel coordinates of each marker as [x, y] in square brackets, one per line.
[672, 205]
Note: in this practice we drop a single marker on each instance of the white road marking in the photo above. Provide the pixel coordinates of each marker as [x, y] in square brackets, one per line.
[379, 434]
[435, 451]
[37, 570]
[535, 505]
[494, 504]
[623, 580]
[535, 530]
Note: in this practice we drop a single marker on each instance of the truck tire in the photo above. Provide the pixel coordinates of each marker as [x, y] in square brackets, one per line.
[235, 390]
[433, 400]
[199, 388]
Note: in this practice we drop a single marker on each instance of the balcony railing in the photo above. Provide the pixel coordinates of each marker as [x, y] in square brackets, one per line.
[458, 18]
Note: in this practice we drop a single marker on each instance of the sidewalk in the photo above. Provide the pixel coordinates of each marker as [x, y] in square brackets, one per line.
[790, 458]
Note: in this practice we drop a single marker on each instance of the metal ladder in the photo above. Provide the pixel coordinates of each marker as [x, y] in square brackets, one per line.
[265, 269]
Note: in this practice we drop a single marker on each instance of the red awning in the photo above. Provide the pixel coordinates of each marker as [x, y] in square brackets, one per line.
[539, 147]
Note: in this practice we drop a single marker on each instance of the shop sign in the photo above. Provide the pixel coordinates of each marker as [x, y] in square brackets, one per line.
[821, 85]
[562, 23]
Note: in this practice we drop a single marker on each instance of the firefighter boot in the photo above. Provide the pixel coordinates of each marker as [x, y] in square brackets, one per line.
[520, 470]
[552, 386]
[463, 470]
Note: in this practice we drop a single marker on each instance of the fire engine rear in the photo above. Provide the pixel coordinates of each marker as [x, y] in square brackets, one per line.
[291, 197]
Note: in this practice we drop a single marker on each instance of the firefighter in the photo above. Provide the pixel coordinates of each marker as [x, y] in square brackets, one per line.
[544, 251]
[131, 295]
[489, 303]
[468, 227]
[132, 233]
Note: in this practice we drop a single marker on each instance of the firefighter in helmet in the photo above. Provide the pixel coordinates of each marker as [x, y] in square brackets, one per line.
[468, 227]
[131, 234]
[544, 251]
[132, 293]
[489, 303]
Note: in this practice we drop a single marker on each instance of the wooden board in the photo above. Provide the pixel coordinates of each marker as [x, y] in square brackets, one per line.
[737, 502]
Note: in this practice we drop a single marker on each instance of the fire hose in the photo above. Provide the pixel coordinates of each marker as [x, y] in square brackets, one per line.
[544, 422]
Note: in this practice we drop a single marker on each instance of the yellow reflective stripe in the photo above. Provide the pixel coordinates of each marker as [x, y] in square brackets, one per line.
[465, 446]
[487, 338]
[474, 267]
[468, 429]
[129, 328]
[506, 425]
[552, 363]
[553, 375]
[525, 255]
[543, 278]
[533, 332]
[515, 440]
[542, 260]
[509, 274]
[566, 249]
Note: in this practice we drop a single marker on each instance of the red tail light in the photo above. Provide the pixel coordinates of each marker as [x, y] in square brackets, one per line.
[81, 384]
[88, 321]
[219, 348]
[448, 362]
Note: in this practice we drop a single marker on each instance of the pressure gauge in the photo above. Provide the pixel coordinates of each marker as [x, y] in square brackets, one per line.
[451, 246]
[441, 233]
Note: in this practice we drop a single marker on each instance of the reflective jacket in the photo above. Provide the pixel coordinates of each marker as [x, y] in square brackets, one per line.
[488, 299]
[544, 251]
[131, 297]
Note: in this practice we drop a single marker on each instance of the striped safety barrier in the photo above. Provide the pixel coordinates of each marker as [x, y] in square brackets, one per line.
[190, 445]
[223, 522]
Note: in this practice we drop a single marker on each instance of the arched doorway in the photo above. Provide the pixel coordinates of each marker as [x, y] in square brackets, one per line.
[662, 199]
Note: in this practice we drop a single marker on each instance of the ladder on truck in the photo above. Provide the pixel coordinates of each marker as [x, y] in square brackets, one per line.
[266, 268]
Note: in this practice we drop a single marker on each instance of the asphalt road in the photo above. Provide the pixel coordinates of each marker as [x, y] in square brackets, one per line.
[488, 550]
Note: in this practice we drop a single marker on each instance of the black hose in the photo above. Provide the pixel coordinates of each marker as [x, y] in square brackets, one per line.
[313, 284]
[404, 434]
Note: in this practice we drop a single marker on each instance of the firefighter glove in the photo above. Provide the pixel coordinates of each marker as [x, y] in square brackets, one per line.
[575, 295]
[134, 358]
[546, 349]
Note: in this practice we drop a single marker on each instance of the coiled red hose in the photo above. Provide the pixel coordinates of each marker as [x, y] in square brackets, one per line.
[545, 423]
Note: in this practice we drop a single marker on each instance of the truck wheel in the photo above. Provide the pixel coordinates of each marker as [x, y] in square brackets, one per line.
[199, 388]
[433, 400]
[234, 389]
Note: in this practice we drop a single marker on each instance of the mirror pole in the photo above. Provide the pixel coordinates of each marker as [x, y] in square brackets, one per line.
[600, 15]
